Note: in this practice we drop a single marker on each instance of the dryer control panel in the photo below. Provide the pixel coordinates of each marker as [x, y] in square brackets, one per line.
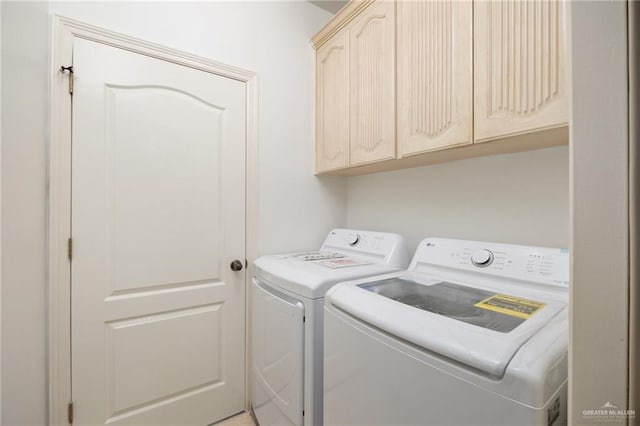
[537, 264]
[375, 246]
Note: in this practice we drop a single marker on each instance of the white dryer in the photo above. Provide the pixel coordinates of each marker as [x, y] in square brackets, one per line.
[286, 317]
[472, 333]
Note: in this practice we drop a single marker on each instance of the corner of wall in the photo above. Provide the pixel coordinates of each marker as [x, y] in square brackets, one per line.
[598, 349]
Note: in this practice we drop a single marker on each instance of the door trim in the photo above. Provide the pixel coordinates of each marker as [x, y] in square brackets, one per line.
[59, 229]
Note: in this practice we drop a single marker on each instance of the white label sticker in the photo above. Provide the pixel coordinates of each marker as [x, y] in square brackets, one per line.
[344, 262]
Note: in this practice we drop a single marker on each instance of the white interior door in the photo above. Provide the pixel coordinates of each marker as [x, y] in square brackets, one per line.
[158, 215]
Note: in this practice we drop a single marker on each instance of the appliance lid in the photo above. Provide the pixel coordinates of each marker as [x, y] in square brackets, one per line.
[474, 326]
[311, 274]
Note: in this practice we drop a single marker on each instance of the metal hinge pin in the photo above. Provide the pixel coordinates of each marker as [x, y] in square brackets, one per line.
[70, 70]
[70, 412]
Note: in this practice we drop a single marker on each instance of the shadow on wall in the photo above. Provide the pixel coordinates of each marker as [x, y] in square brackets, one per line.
[518, 198]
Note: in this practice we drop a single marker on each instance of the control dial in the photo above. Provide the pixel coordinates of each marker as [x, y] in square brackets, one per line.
[482, 258]
[353, 239]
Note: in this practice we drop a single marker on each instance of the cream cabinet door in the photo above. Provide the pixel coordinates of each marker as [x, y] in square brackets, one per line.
[332, 109]
[435, 75]
[521, 69]
[372, 84]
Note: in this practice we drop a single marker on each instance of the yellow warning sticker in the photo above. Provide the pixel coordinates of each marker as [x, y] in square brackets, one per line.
[509, 305]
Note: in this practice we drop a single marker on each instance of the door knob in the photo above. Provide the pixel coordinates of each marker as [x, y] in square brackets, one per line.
[236, 265]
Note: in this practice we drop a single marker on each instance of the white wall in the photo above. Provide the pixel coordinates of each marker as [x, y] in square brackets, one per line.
[295, 208]
[24, 131]
[599, 298]
[513, 198]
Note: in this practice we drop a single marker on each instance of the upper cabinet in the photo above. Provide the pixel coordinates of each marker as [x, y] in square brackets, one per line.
[462, 79]
[434, 63]
[372, 38]
[332, 106]
[355, 88]
[521, 73]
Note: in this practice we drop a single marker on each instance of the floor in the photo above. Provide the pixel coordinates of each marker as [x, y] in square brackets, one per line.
[242, 419]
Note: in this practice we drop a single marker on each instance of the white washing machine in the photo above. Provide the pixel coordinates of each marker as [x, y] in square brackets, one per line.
[472, 333]
[286, 317]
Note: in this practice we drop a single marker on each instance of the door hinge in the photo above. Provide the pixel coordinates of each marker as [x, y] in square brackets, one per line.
[70, 71]
[70, 248]
[304, 318]
[70, 413]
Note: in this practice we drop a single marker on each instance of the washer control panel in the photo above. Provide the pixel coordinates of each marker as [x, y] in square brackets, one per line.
[538, 264]
[376, 246]
[482, 258]
[352, 238]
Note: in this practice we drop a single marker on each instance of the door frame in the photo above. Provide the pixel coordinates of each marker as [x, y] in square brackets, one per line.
[59, 226]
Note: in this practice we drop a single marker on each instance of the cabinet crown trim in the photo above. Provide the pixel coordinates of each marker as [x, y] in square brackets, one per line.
[339, 21]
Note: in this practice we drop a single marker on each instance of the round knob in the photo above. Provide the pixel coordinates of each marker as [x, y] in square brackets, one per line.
[352, 239]
[482, 258]
[236, 265]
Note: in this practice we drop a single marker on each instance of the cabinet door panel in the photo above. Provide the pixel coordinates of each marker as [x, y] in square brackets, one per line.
[521, 74]
[332, 111]
[434, 75]
[372, 84]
